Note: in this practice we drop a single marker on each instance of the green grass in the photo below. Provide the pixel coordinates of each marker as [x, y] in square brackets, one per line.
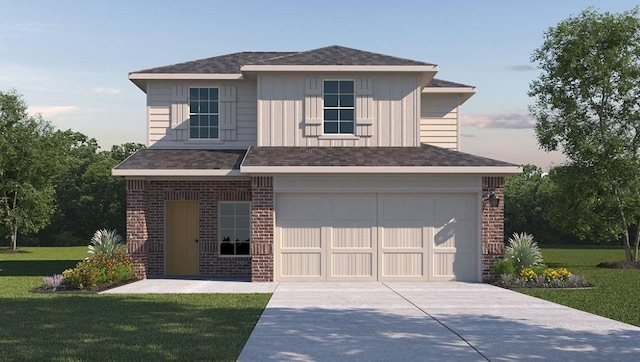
[616, 291]
[76, 327]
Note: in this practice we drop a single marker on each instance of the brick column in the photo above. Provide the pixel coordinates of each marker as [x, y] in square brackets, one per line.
[262, 229]
[492, 226]
[137, 233]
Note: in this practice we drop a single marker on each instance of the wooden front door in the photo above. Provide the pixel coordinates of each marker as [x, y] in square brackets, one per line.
[182, 238]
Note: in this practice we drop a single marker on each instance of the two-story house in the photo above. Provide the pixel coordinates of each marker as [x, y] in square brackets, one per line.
[325, 165]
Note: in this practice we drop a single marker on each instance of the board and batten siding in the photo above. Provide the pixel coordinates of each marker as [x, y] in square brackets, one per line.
[439, 120]
[387, 110]
[168, 115]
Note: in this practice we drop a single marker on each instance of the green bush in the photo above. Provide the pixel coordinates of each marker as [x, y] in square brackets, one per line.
[105, 241]
[101, 268]
[504, 266]
[523, 251]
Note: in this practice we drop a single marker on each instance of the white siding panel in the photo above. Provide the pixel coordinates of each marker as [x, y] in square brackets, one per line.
[439, 120]
[238, 114]
[290, 110]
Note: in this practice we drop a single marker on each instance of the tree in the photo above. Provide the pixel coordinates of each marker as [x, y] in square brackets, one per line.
[30, 159]
[587, 103]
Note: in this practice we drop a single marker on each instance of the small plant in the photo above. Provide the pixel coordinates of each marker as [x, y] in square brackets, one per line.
[528, 274]
[105, 241]
[53, 281]
[502, 267]
[523, 251]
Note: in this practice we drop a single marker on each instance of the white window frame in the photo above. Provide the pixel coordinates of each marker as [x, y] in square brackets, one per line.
[231, 240]
[217, 114]
[339, 108]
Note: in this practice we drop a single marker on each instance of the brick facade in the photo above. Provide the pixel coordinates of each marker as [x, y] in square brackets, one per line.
[146, 223]
[492, 226]
[262, 229]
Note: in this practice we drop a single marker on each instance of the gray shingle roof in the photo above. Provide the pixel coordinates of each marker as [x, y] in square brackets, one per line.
[441, 83]
[337, 55]
[331, 55]
[424, 155]
[150, 159]
[223, 64]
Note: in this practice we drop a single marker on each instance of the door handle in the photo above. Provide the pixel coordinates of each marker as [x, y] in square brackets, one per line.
[196, 240]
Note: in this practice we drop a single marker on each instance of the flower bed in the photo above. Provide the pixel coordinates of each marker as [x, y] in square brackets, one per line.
[544, 278]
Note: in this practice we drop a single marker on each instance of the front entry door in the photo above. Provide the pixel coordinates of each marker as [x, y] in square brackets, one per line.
[182, 238]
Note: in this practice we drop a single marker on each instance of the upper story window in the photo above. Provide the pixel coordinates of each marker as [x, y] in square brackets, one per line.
[203, 113]
[338, 107]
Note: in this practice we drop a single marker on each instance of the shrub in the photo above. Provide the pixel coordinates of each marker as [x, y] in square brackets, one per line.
[504, 266]
[523, 251]
[105, 241]
[52, 281]
[101, 268]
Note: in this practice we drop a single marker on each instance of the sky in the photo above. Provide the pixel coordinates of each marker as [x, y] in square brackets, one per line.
[70, 59]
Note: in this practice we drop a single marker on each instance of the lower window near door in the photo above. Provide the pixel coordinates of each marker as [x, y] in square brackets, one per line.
[235, 228]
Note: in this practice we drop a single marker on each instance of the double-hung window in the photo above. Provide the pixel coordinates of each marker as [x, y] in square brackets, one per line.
[338, 106]
[235, 228]
[203, 113]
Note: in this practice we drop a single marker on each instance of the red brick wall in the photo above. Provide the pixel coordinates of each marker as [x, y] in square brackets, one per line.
[492, 226]
[137, 225]
[145, 223]
[262, 229]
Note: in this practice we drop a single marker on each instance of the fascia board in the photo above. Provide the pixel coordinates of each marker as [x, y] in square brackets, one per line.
[476, 170]
[339, 68]
[173, 172]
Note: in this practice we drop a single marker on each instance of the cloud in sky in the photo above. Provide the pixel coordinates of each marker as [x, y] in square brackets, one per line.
[520, 68]
[498, 120]
[34, 27]
[106, 90]
[52, 111]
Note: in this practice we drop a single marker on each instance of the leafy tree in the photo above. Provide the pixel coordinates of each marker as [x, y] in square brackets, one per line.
[587, 103]
[30, 160]
[88, 197]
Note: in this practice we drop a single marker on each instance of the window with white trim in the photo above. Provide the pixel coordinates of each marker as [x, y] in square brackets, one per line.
[204, 113]
[235, 228]
[338, 106]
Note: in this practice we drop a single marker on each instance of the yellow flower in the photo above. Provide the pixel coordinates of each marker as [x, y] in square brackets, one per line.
[528, 274]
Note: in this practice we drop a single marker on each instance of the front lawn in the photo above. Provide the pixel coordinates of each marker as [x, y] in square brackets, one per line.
[114, 327]
[616, 291]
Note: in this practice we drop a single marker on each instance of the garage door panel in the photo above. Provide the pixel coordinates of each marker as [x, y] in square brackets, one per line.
[300, 237]
[453, 265]
[352, 265]
[402, 264]
[454, 235]
[351, 238]
[353, 210]
[298, 209]
[418, 237]
[301, 265]
[453, 207]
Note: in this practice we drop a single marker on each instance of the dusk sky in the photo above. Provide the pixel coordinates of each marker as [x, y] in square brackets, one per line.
[70, 59]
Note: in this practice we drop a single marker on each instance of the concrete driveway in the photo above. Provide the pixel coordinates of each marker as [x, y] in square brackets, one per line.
[430, 322]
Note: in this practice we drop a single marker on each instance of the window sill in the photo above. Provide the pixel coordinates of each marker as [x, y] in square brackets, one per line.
[234, 256]
[338, 137]
[205, 141]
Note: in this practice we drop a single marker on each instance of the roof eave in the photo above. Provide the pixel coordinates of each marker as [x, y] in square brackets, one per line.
[140, 79]
[339, 68]
[464, 92]
[469, 170]
[174, 172]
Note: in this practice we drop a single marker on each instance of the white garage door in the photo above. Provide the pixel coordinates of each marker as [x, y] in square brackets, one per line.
[377, 237]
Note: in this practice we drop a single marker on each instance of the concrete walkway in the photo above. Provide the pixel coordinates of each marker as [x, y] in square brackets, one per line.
[191, 286]
[430, 322]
